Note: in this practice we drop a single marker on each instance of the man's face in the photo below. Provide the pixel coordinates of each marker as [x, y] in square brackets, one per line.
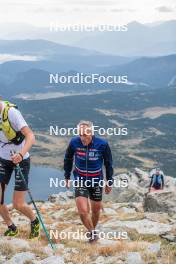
[85, 134]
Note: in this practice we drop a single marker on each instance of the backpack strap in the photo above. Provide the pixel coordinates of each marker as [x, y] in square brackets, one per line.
[12, 135]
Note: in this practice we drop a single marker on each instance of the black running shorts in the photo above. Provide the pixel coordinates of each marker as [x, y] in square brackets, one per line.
[6, 169]
[94, 193]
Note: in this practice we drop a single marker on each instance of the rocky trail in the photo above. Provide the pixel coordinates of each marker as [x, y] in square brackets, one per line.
[143, 228]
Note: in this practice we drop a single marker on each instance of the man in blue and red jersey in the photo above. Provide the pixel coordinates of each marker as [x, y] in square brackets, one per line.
[89, 154]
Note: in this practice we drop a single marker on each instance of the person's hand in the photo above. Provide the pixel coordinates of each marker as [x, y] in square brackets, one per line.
[108, 189]
[16, 158]
[67, 183]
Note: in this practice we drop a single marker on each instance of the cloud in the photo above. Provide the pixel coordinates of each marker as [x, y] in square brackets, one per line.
[164, 9]
[47, 10]
[9, 57]
[94, 3]
[119, 10]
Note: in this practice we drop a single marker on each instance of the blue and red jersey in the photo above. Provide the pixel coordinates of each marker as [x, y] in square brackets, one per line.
[88, 160]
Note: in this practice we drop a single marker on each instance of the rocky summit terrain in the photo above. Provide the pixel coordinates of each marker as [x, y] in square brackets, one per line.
[143, 226]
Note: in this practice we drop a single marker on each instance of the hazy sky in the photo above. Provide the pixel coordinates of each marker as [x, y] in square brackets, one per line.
[42, 12]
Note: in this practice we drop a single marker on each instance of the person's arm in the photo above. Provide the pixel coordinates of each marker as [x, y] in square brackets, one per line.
[150, 174]
[19, 124]
[151, 183]
[162, 180]
[29, 141]
[68, 161]
[107, 156]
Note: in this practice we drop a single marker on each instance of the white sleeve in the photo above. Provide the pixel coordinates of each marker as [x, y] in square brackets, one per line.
[16, 119]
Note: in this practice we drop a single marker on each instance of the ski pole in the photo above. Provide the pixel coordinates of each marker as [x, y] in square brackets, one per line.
[35, 207]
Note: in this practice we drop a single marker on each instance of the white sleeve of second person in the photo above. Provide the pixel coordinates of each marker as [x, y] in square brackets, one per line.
[16, 119]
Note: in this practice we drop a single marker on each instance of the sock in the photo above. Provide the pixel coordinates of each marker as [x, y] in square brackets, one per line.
[36, 221]
[12, 227]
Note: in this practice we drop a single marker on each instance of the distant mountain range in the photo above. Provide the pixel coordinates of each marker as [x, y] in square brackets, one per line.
[24, 76]
[140, 40]
[40, 47]
[155, 72]
[52, 56]
[33, 77]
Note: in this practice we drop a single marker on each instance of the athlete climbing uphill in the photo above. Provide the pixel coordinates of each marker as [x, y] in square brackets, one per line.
[157, 179]
[89, 153]
[15, 137]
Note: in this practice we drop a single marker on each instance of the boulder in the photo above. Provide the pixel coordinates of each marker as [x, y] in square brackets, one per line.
[100, 260]
[21, 258]
[109, 211]
[52, 260]
[143, 226]
[134, 258]
[169, 237]
[154, 248]
[15, 242]
[160, 201]
[132, 193]
[62, 197]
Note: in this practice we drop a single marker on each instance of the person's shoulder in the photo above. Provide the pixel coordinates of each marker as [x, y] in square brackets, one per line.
[74, 140]
[101, 141]
[14, 112]
[16, 118]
